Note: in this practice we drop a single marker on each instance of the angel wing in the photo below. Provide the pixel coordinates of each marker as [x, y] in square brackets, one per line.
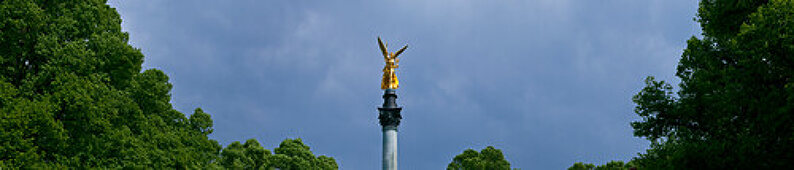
[400, 51]
[383, 48]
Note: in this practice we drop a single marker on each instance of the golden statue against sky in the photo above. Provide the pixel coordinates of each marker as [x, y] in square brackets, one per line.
[389, 80]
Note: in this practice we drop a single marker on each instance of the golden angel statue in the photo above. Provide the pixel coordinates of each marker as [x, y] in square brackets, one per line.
[389, 80]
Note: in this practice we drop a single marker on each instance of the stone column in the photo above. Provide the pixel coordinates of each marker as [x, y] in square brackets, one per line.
[389, 119]
[389, 148]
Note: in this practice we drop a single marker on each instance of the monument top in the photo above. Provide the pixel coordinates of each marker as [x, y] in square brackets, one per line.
[389, 80]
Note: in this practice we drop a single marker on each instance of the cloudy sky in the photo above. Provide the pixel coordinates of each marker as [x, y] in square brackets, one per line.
[547, 81]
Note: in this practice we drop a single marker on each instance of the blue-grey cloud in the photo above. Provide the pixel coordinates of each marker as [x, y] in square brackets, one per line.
[547, 81]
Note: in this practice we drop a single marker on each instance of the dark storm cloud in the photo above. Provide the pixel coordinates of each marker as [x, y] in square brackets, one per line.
[547, 81]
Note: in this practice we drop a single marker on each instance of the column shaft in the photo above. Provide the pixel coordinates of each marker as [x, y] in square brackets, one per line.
[389, 148]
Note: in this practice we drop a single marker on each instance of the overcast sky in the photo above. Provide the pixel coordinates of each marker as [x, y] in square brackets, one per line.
[547, 81]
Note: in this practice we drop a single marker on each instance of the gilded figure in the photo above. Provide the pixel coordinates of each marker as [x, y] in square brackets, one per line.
[389, 80]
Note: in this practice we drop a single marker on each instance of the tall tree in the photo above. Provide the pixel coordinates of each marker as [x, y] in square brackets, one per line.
[73, 94]
[487, 158]
[735, 105]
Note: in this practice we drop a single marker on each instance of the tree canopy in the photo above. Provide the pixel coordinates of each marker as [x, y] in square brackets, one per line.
[487, 158]
[72, 94]
[735, 105]
[611, 165]
[291, 154]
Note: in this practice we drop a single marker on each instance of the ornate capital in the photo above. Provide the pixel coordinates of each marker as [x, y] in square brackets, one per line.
[389, 116]
[389, 113]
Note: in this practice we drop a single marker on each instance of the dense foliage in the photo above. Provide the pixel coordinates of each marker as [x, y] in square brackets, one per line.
[291, 154]
[488, 158]
[72, 94]
[735, 105]
[612, 165]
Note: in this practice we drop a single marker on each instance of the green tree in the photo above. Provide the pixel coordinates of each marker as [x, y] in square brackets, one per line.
[488, 158]
[611, 165]
[250, 155]
[582, 166]
[291, 154]
[73, 94]
[735, 105]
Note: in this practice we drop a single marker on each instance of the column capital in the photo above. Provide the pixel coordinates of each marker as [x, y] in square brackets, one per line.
[389, 113]
[389, 117]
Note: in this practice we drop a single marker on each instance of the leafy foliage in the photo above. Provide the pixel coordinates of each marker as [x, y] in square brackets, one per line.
[244, 156]
[291, 154]
[611, 165]
[72, 94]
[735, 106]
[488, 158]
